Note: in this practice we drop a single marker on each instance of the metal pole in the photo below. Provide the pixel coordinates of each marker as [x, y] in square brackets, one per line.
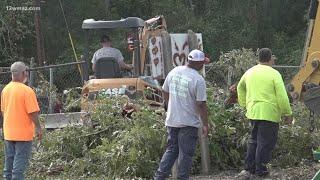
[136, 54]
[31, 73]
[229, 76]
[85, 70]
[85, 58]
[51, 94]
[205, 155]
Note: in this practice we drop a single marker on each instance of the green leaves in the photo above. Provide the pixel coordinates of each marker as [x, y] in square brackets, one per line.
[116, 147]
[16, 28]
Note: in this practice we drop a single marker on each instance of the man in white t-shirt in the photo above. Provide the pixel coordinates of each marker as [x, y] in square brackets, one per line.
[108, 51]
[184, 93]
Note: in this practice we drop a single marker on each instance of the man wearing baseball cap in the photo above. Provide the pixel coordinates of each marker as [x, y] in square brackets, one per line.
[184, 92]
[20, 111]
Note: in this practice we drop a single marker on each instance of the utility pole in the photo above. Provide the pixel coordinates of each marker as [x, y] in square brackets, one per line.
[39, 37]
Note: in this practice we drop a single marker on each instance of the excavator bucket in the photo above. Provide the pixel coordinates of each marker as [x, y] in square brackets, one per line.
[312, 99]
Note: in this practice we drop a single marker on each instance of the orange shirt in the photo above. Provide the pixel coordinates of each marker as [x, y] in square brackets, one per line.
[17, 102]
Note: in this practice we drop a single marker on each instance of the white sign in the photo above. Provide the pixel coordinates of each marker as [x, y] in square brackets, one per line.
[180, 48]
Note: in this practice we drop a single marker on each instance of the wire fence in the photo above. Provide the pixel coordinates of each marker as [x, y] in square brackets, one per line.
[225, 77]
[287, 72]
[50, 83]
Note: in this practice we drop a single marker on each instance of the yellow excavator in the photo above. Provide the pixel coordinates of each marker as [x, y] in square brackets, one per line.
[150, 46]
[136, 83]
[305, 85]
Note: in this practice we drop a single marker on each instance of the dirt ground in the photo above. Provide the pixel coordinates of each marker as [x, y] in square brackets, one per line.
[303, 172]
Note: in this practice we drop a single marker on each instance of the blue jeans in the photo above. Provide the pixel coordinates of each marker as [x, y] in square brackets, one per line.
[181, 144]
[263, 139]
[17, 154]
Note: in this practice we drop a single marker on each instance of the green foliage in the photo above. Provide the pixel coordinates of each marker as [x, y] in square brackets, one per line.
[228, 133]
[133, 152]
[16, 31]
[296, 142]
[237, 61]
[288, 49]
[114, 147]
[119, 147]
[71, 99]
[231, 64]
[225, 25]
[43, 87]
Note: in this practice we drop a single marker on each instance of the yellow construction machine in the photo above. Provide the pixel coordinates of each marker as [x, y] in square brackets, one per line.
[136, 83]
[150, 47]
[305, 84]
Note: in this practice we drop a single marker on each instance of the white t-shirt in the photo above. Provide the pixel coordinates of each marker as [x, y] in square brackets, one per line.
[185, 86]
[107, 52]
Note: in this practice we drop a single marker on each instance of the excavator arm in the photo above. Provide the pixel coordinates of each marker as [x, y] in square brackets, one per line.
[152, 27]
[305, 85]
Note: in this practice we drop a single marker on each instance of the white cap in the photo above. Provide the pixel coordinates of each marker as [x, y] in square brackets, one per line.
[196, 55]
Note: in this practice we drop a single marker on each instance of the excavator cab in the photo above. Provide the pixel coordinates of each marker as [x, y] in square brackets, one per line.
[154, 53]
[133, 24]
[108, 79]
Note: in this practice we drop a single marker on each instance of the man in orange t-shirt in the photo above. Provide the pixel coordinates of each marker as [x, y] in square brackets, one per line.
[20, 112]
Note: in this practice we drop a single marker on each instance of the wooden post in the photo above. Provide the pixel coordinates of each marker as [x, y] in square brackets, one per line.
[166, 52]
[204, 141]
[205, 155]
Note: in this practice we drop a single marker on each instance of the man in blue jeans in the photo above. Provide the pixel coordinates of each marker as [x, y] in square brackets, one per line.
[262, 92]
[184, 93]
[20, 110]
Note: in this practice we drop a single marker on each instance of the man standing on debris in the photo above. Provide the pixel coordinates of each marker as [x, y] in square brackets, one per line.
[108, 51]
[20, 111]
[184, 92]
[261, 90]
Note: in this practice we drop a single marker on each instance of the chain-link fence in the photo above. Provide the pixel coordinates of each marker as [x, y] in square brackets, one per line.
[224, 78]
[287, 72]
[50, 83]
